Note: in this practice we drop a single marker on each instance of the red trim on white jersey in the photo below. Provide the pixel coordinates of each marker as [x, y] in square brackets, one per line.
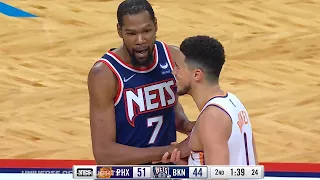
[134, 69]
[120, 82]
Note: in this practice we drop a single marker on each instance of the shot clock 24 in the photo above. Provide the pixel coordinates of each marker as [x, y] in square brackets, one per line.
[237, 172]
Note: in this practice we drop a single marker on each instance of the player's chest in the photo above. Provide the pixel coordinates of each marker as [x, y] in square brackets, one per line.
[134, 79]
[153, 89]
[144, 95]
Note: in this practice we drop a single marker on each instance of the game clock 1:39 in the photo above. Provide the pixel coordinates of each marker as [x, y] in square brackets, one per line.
[237, 172]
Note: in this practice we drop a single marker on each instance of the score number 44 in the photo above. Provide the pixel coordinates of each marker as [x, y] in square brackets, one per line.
[197, 172]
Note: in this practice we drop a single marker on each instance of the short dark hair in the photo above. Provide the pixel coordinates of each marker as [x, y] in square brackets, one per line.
[205, 53]
[131, 7]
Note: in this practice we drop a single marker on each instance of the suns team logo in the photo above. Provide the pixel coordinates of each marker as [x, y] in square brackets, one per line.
[104, 172]
[242, 119]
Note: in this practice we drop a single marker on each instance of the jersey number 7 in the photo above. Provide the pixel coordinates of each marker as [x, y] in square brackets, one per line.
[155, 122]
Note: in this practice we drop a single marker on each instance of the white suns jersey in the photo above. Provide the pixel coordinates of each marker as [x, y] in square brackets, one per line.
[240, 143]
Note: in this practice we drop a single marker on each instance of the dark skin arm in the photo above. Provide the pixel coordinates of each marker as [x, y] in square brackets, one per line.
[183, 125]
[102, 87]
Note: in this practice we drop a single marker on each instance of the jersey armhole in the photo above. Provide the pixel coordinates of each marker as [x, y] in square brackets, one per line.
[218, 106]
[119, 80]
[168, 55]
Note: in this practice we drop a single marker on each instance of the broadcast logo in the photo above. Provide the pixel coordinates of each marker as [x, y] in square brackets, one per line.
[104, 172]
[84, 172]
[161, 172]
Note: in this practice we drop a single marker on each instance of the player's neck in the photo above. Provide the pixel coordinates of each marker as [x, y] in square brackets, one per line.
[203, 93]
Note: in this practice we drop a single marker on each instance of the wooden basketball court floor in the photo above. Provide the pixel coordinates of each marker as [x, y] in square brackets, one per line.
[273, 65]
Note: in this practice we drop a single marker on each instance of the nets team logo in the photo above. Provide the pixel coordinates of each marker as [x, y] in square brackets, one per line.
[161, 172]
[149, 97]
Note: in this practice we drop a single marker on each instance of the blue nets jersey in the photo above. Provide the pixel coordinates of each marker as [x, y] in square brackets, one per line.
[144, 104]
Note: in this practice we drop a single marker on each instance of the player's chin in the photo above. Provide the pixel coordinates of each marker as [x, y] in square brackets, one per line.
[141, 58]
[142, 61]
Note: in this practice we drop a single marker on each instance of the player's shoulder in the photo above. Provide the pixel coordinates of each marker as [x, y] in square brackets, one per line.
[102, 67]
[101, 79]
[212, 110]
[100, 70]
[214, 114]
[170, 47]
[174, 51]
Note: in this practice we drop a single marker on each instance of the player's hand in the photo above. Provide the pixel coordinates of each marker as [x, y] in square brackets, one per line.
[175, 158]
[166, 156]
[184, 149]
[172, 147]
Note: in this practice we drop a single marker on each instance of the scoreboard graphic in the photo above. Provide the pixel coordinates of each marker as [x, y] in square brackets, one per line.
[168, 172]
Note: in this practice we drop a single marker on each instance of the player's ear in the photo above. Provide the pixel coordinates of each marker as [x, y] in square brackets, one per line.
[197, 74]
[156, 23]
[119, 30]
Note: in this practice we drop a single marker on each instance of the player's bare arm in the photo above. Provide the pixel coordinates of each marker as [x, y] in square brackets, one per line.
[102, 86]
[183, 124]
[215, 129]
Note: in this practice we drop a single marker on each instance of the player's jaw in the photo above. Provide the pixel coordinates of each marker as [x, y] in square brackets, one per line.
[141, 56]
[141, 53]
[182, 89]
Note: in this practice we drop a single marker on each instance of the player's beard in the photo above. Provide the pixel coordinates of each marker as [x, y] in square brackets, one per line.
[185, 90]
[136, 63]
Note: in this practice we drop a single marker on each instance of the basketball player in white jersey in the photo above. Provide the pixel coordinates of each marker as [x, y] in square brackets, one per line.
[223, 133]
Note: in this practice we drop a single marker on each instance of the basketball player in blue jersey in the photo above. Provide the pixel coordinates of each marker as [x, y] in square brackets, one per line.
[134, 112]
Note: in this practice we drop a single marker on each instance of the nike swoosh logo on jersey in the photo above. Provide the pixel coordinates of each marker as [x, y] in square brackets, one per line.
[126, 80]
[165, 66]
